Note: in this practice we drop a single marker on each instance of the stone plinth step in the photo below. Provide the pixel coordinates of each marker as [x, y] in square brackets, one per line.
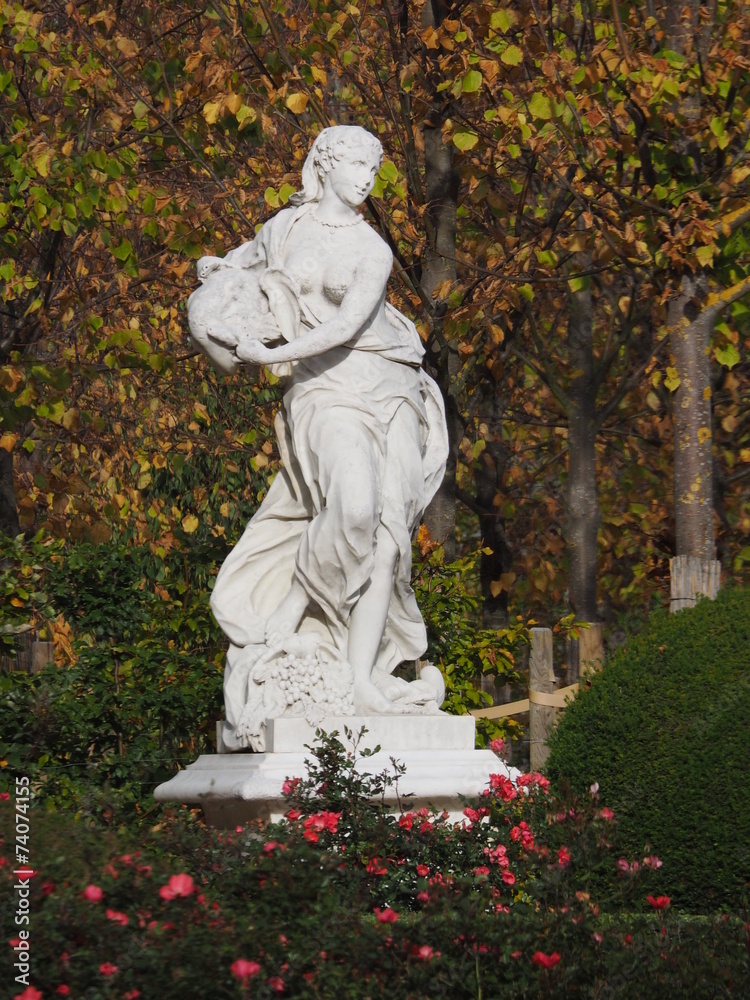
[235, 788]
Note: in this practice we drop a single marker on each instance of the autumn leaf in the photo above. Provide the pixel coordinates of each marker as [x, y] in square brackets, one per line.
[211, 111]
[540, 106]
[297, 103]
[512, 56]
[504, 583]
[189, 523]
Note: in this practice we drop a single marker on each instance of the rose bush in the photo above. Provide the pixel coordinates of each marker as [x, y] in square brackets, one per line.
[404, 905]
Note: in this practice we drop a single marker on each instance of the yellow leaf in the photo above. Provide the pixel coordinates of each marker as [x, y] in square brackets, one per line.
[297, 103]
[504, 583]
[233, 103]
[211, 111]
[192, 61]
[577, 242]
[189, 523]
[127, 46]
[71, 419]
[42, 164]
[8, 440]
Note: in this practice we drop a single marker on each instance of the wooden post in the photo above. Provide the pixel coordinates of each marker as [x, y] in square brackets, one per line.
[586, 653]
[590, 649]
[21, 662]
[692, 577]
[42, 653]
[541, 680]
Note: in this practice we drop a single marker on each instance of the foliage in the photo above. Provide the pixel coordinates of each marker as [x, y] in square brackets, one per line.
[663, 730]
[587, 155]
[25, 605]
[464, 652]
[342, 899]
[136, 688]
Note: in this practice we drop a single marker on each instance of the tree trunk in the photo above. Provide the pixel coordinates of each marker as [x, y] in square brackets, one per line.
[693, 460]
[8, 511]
[439, 266]
[690, 343]
[583, 515]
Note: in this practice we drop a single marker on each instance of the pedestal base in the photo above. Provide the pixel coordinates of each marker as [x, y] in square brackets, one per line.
[235, 788]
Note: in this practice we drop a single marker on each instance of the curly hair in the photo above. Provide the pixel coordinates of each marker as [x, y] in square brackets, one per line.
[330, 146]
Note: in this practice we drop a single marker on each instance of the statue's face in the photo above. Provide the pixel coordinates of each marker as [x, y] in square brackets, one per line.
[352, 177]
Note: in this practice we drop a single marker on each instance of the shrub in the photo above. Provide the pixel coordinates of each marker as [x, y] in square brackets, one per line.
[463, 651]
[139, 691]
[343, 899]
[664, 731]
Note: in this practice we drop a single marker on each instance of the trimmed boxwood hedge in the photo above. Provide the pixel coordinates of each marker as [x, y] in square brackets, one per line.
[665, 731]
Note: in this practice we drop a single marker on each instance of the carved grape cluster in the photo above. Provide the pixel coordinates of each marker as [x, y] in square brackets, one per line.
[314, 680]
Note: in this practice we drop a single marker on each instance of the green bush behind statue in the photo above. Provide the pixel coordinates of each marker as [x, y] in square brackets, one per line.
[664, 731]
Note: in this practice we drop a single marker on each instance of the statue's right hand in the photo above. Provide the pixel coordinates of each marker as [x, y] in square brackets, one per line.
[255, 352]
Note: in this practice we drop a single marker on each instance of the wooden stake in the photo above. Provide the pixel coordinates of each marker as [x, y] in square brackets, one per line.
[692, 577]
[541, 679]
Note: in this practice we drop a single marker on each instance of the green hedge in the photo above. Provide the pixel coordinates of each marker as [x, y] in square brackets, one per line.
[665, 732]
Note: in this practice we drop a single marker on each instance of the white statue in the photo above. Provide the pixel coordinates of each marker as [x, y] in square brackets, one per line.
[316, 598]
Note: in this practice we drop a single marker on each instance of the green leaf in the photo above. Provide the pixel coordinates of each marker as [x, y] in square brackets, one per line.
[728, 356]
[465, 140]
[472, 82]
[500, 20]
[541, 107]
[123, 251]
[389, 172]
[140, 110]
[512, 56]
[579, 284]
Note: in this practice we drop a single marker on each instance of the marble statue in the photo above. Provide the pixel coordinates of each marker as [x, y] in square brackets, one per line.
[315, 598]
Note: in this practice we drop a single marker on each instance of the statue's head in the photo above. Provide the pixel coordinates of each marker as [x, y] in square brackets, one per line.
[331, 145]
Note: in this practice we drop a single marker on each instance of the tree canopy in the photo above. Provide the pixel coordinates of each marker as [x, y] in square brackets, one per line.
[564, 190]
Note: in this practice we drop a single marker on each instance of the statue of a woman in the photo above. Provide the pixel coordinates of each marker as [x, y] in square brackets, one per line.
[315, 597]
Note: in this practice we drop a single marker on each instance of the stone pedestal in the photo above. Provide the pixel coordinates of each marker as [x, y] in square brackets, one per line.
[437, 751]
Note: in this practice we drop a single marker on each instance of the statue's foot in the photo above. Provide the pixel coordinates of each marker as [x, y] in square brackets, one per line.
[369, 700]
